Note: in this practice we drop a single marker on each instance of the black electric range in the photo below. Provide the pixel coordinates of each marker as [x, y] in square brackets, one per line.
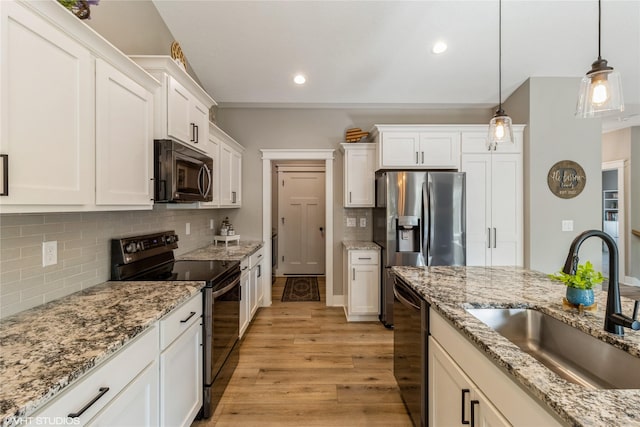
[150, 258]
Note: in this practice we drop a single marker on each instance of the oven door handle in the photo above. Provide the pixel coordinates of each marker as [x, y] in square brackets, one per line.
[226, 289]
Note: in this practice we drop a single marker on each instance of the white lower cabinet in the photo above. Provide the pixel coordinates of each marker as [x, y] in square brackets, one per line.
[362, 284]
[131, 374]
[156, 380]
[466, 388]
[454, 398]
[245, 295]
[181, 372]
[136, 406]
[256, 266]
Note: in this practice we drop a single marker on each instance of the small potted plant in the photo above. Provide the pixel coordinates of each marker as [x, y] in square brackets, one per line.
[580, 285]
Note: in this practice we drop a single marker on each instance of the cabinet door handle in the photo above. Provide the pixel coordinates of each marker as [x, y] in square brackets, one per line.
[101, 392]
[193, 313]
[233, 197]
[495, 237]
[354, 273]
[349, 196]
[462, 399]
[489, 238]
[416, 157]
[5, 174]
[422, 157]
[473, 412]
[192, 126]
[196, 134]
[260, 270]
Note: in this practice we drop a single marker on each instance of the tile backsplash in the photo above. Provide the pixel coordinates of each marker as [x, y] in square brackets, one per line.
[83, 246]
[357, 232]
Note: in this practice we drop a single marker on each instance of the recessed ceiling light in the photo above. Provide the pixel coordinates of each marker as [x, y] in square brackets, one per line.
[439, 47]
[299, 79]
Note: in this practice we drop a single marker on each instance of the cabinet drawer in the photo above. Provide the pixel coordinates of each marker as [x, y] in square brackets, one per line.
[363, 257]
[106, 381]
[256, 258]
[179, 320]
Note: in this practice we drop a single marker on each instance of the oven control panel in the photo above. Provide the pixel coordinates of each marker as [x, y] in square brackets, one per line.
[131, 249]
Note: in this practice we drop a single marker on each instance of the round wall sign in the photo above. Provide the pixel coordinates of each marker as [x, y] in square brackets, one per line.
[566, 179]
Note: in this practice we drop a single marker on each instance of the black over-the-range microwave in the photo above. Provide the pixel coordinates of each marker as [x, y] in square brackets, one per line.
[181, 173]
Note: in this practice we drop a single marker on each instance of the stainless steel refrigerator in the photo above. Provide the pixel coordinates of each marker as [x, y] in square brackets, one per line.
[419, 219]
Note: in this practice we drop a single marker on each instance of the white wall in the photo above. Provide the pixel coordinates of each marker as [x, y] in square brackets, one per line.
[547, 105]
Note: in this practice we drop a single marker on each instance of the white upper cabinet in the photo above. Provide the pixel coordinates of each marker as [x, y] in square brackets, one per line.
[417, 146]
[187, 117]
[359, 175]
[181, 105]
[74, 115]
[124, 153]
[47, 113]
[227, 169]
[474, 140]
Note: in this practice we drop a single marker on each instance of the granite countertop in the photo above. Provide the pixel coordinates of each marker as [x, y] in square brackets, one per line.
[235, 251]
[360, 245]
[450, 290]
[46, 348]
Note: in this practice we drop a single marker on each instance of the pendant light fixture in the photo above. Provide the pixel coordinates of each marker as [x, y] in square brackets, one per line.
[500, 129]
[601, 88]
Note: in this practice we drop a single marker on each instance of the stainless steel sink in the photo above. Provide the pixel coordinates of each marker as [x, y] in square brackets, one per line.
[572, 354]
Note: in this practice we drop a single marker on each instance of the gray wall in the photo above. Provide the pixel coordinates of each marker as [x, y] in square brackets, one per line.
[547, 105]
[634, 249]
[134, 27]
[257, 128]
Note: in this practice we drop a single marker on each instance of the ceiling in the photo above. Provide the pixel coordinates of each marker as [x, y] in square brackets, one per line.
[378, 53]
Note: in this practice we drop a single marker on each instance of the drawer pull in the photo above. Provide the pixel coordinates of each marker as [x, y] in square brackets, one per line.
[101, 392]
[193, 313]
[464, 392]
[364, 257]
[473, 412]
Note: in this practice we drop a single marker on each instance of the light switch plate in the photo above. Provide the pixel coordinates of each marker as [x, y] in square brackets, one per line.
[567, 225]
[363, 222]
[49, 253]
[188, 229]
[351, 222]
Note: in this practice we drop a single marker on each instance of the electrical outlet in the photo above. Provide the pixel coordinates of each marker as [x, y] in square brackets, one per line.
[351, 222]
[363, 222]
[211, 224]
[49, 253]
[567, 225]
[188, 229]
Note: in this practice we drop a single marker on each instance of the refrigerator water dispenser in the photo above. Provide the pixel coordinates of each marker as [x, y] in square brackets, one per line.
[408, 234]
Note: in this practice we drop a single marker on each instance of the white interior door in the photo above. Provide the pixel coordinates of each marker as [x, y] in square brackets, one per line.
[301, 237]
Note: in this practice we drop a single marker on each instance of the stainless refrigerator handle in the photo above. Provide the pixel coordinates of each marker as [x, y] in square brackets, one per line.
[495, 237]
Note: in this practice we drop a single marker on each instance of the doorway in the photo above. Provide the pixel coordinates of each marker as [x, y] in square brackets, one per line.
[325, 155]
[301, 220]
[613, 213]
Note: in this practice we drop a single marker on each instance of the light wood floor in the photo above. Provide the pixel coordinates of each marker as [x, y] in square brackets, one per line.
[302, 364]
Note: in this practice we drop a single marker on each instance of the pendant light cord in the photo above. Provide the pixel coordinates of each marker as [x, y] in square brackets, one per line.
[599, 26]
[500, 54]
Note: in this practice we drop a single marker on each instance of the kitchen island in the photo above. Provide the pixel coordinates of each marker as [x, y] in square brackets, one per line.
[46, 349]
[452, 290]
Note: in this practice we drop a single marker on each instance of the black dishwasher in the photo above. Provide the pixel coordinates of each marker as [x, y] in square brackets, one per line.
[410, 349]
